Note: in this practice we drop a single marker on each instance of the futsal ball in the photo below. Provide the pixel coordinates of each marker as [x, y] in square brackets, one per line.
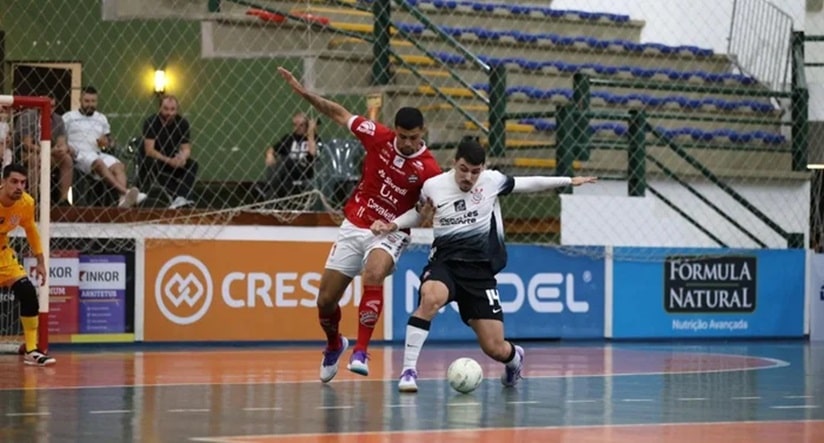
[464, 375]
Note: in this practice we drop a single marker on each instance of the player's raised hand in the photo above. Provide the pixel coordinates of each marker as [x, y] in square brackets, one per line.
[293, 82]
[380, 227]
[578, 181]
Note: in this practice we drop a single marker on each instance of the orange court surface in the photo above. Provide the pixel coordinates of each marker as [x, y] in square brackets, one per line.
[754, 392]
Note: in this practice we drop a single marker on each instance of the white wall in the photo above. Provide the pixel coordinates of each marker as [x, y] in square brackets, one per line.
[704, 23]
[604, 215]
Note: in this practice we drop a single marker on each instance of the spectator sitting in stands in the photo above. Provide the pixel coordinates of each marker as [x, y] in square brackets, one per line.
[26, 131]
[168, 148]
[88, 131]
[290, 162]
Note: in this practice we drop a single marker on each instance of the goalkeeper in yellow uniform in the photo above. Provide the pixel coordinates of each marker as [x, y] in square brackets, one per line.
[17, 209]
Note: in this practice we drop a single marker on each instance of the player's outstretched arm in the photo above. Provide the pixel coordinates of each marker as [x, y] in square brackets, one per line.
[537, 184]
[326, 107]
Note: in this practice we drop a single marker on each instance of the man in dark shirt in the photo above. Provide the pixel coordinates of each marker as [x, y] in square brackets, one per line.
[290, 162]
[168, 148]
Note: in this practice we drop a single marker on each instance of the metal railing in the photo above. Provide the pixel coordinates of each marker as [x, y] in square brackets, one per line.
[759, 42]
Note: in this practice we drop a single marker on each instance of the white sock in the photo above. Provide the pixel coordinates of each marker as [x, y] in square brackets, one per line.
[516, 360]
[415, 337]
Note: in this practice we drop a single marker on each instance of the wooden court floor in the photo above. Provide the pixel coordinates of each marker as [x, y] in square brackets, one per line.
[754, 392]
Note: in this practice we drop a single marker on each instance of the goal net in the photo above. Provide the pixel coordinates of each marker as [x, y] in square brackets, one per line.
[25, 138]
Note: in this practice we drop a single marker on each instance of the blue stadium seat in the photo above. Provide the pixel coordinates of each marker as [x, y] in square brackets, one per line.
[444, 4]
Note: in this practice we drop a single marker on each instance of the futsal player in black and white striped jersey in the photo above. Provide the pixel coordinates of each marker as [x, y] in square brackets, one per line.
[467, 252]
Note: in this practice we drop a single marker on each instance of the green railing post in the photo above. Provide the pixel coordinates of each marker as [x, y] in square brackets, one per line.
[581, 91]
[795, 240]
[565, 143]
[214, 5]
[380, 50]
[800, 103]
[581, 96]
[800, 128]
[497, 110]
[637, 154]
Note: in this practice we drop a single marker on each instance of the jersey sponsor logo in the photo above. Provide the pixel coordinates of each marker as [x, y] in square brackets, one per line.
[460, 205]
[463, 219]
[14, 219]
[413, 178]
[398, 161]
[417, 164]
[366, 127]
[387, 214]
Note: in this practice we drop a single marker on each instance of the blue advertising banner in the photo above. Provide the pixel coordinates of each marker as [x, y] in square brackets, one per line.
[544, 292]
[102, 294]
[708, 293]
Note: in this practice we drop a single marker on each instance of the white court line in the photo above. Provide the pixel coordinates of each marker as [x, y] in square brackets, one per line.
[523, 402]
[188, 410]
[334, 407]
[795, 407]
[283, 437]
[464, 404]
[112, 411]
[28, 414]
[746, 398]
[636, 400]
[274, 408]
[798, 396]
[583, 401]
[692, 399]
[775, 363]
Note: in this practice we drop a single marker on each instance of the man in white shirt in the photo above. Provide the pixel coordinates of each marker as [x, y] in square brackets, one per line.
[467, 252]
[87, 131]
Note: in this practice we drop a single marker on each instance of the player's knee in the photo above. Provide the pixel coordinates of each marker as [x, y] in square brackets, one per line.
[373, 275]
[327, 299]
[432, 299]
[25, 292]
[379, 265]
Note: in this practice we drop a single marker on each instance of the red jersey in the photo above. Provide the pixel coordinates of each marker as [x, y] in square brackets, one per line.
[390, 182]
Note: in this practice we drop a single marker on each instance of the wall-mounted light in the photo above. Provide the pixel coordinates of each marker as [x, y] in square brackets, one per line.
[160, 81]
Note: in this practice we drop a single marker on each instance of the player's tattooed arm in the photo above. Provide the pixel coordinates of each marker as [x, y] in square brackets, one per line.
[326, 107]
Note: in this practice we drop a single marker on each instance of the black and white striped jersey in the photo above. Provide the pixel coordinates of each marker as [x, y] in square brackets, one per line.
[467, 226]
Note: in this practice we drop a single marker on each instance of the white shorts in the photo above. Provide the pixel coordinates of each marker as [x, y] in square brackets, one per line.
[354, 244]
[84, 160]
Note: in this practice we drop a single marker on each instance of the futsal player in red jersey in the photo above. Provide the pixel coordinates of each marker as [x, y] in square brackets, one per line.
[396, 165]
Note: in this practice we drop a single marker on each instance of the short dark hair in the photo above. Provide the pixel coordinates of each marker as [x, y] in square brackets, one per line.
[89, 90]
[471, 151]
[14, 167]
[409, 118]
